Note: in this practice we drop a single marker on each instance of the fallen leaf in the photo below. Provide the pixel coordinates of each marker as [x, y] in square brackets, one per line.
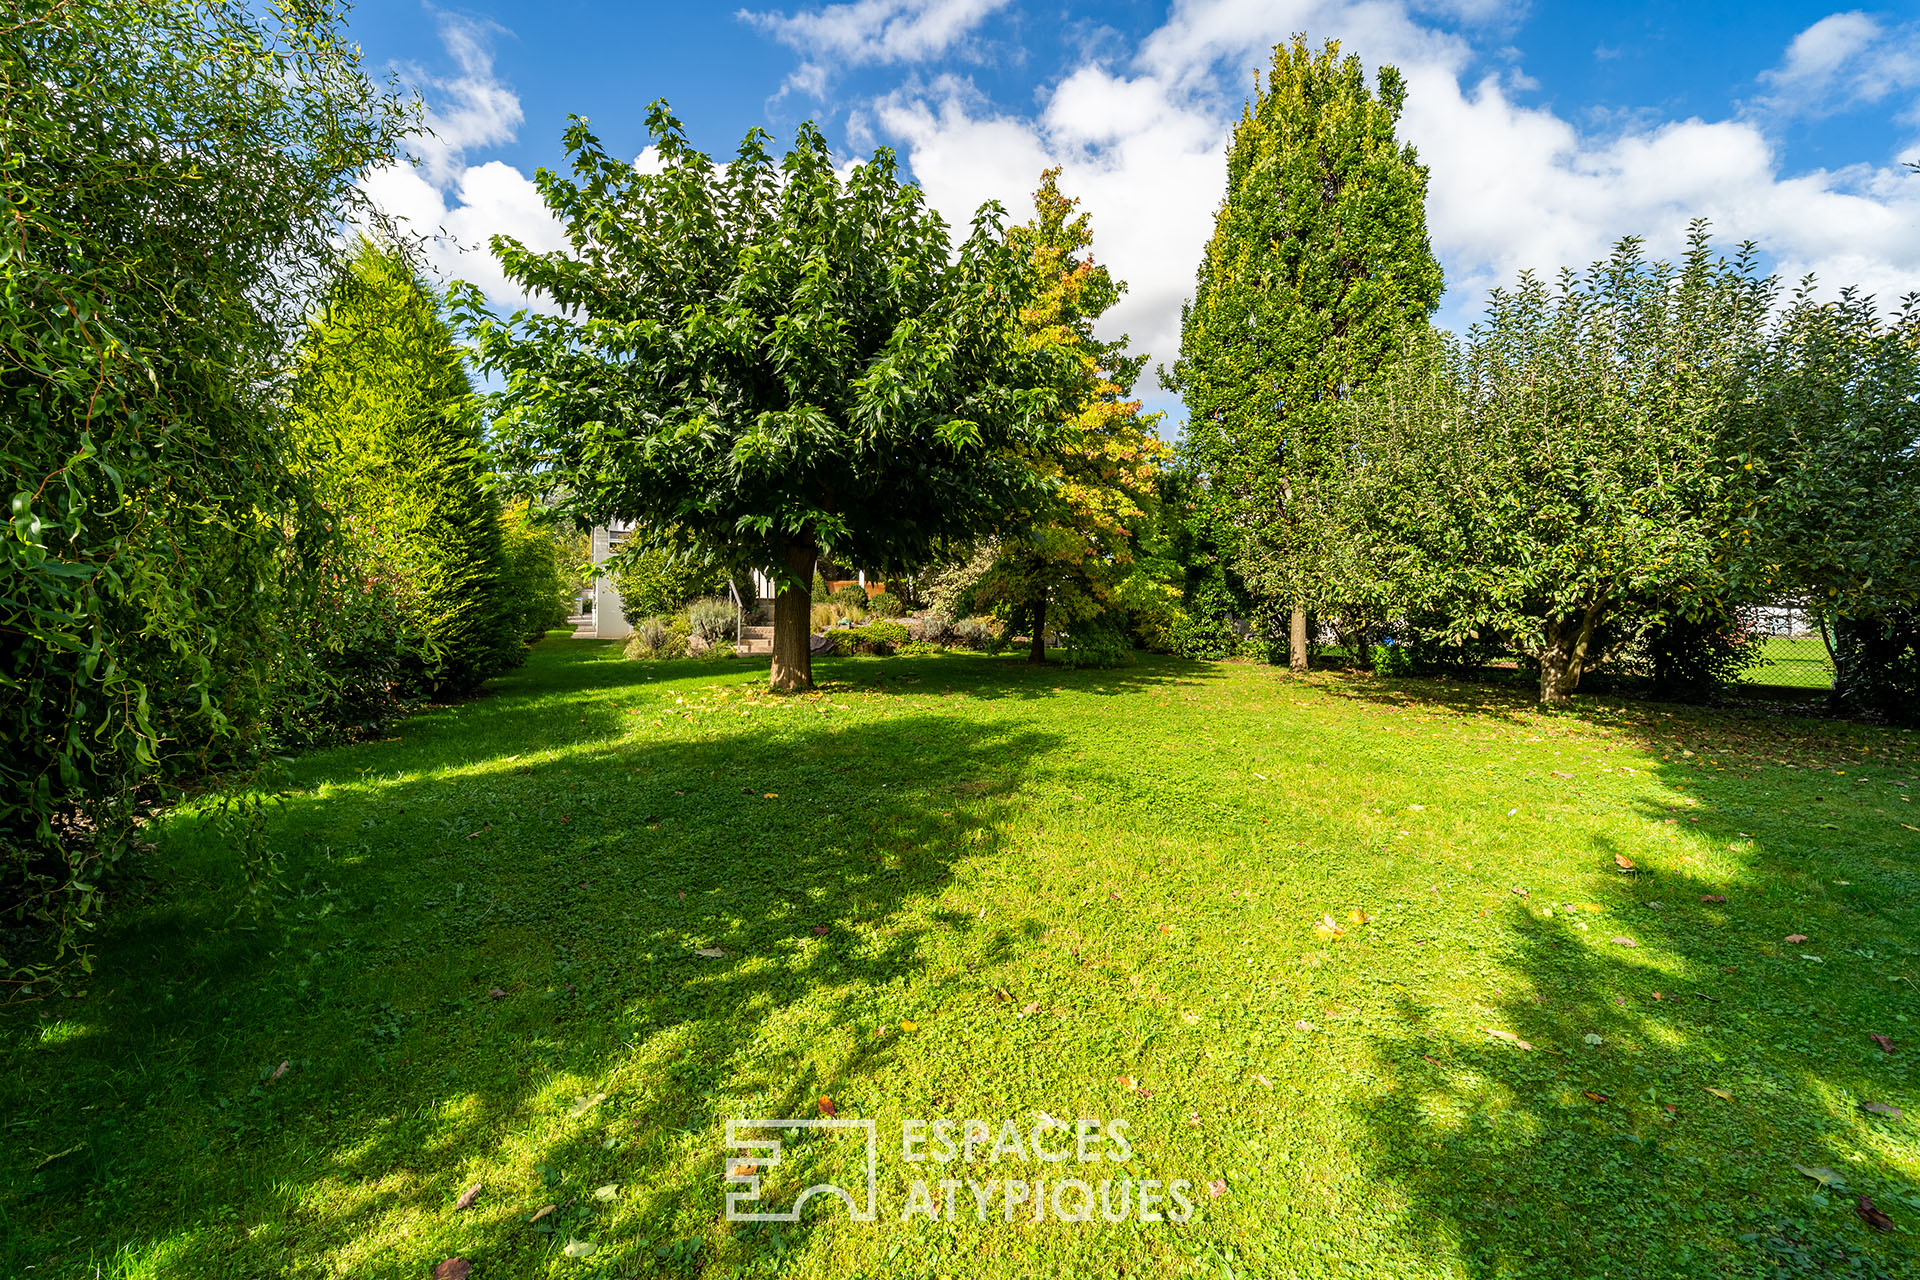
[1881, 1109]
[1623, 942]
[821, 930]
[1597, 1097]
[1819, 1173]
[1032, 1006]
[1263, 1080]
[1217, 1188]
[1000, 993]
[1721, 1094]
[1326, 928]
[542, 1212]
[1522, 892]
[467, 1198]
[279, 1071]
[580, 1249]
[711, 953]
[1592, 1038]
[497, 994]
[453, 1269]
[1193, 1117]
[907, 1024]
[1796, 937]
[1303, 1025]
[1623, 862]
[1885, 1042]
[1508, 1036]
[609, 1192]
[1435, 1061]
[826, 1106]
[1713, 897]
[585, 1105]
[1358, 916]
[1871, 1215]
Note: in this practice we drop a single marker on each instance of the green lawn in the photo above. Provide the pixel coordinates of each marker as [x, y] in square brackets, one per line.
[955, 887]
[1800, 663]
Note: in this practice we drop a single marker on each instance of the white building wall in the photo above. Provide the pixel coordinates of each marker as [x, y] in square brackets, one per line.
[608, 622]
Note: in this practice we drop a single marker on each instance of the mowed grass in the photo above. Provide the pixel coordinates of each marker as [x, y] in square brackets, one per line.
[1797, 662]
[957, 887]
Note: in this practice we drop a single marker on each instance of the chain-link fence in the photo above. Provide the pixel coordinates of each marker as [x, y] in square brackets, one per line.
[1793, 653]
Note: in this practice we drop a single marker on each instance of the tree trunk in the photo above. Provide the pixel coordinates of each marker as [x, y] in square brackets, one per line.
[793, 619]
[1037, 651]
[1297, 642]
[1564, 658]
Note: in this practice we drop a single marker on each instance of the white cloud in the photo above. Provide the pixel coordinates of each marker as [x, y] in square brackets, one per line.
[1846, 60]
[869, 32]
[1513, 186]
[452, 207]
[471, 109]
[458, 224]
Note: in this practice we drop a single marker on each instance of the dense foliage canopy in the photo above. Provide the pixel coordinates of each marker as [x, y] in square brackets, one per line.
[176, 174]
[766, 360]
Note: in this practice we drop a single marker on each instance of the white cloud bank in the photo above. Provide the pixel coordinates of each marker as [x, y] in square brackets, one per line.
[456, 207]
[868, 33]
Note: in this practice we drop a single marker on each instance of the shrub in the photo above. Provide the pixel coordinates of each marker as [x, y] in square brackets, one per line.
[918, 649]
[851, 596]
[1189, 636]
[1096, 644]
[657, 581]
[711, 620]
[160, 549]
[820, 590]
[876, 639]
[886, 605]
[932, 627]
[536, 589]
[1691, 660]
[821, 617]
[977, 633]
[1879, 665]
[657, 637]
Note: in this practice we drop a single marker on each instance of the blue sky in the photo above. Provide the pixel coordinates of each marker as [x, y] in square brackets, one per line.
[1551, 129]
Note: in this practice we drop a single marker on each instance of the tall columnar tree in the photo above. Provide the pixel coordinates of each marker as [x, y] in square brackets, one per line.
[1064, 565]
[764, 360]
[384, 409]
[175, 173]
[1318, 264]
[1559, 479]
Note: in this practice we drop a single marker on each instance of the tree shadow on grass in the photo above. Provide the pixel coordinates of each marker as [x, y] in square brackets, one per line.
[1691, 1103]
[514, 949]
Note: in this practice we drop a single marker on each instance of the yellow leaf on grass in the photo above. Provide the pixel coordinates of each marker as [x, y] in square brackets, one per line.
[1719, 1093]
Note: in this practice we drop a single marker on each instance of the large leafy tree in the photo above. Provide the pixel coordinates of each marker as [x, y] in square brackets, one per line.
[176, 172]
[384, 410]
[1318, 264]
[1558, 479]
[765, 360]
[1828, 443]
[1067, 562]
